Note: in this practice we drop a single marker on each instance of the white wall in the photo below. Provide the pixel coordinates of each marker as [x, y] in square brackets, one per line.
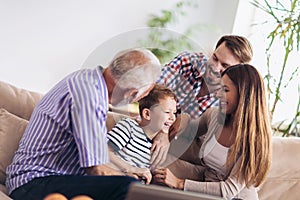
[250, 22]
[42, 41]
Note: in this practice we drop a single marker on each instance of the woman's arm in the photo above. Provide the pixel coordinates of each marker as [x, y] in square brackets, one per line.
[161, 142]
[195, 127]
[227, 188]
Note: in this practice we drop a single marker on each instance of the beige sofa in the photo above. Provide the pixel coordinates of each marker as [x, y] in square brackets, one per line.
[16, 106]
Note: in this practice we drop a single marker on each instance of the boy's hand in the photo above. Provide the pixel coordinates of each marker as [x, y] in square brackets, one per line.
[142, 174]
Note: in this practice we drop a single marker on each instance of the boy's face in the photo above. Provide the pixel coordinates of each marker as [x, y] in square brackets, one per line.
[163, 115]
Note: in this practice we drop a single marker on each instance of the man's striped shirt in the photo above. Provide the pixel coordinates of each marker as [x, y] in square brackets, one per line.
[66, 132]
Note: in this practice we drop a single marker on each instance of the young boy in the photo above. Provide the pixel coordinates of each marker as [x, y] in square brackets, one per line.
[130, 140]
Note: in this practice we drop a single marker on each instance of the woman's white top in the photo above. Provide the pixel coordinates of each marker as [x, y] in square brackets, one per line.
[215, 155]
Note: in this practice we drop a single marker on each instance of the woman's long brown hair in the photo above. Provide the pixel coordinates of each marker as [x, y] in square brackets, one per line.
[251, 125]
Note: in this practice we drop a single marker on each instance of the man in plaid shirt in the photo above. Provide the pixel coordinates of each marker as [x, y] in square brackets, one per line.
[194, 80]
[184, 75]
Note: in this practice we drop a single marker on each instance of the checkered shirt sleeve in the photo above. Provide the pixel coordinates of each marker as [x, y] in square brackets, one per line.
[183, 75]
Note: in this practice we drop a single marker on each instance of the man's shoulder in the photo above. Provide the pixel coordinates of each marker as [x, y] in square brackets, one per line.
[82, 74]
[186, 62]
[85, 80]
[187, 58]
[192, 55]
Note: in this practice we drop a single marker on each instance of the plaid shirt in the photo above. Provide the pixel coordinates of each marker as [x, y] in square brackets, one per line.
[184, 76]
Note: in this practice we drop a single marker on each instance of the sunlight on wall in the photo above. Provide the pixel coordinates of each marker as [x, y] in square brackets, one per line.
[251, 22]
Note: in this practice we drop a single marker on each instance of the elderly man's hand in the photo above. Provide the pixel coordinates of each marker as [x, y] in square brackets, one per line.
[159, 149]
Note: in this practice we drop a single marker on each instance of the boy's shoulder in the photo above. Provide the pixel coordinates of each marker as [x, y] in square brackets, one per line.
[129, 121]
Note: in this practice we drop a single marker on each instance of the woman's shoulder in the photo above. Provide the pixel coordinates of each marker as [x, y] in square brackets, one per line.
[210, 113]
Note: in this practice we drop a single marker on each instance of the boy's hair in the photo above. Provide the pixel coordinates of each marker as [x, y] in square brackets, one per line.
[158, 92]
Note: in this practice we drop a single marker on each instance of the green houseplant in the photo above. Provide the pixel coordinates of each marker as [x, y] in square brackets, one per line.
[285, 18]
[164, 43]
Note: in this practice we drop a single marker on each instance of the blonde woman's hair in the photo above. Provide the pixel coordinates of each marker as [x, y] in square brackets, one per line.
[251, 124]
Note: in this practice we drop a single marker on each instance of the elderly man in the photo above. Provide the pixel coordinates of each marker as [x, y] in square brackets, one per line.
[63, 149]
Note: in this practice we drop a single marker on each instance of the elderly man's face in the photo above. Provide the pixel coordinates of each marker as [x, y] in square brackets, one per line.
[121, 96]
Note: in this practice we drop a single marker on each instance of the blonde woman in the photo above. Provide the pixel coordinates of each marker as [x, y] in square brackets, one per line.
[236, 153]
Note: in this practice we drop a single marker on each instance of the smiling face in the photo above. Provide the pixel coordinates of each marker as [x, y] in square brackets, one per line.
[162, 115]
[221, 59]
[228, 96]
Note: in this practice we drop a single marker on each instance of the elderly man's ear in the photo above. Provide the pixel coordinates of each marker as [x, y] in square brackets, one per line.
[140, 93]
[131, 95]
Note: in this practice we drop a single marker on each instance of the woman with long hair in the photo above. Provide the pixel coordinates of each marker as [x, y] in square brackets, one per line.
[236, 152]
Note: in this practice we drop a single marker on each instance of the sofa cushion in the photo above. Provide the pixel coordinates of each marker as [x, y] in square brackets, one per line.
[18, 101]
[3, 195]
[283, 180]
[11, 131]
[3, 190]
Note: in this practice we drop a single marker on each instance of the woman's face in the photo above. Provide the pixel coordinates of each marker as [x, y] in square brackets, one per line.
[228, 96]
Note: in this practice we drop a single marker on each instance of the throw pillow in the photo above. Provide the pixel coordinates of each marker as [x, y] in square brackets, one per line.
[11, 131]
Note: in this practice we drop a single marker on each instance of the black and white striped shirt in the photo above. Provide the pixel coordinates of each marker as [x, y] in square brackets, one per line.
[131, 143]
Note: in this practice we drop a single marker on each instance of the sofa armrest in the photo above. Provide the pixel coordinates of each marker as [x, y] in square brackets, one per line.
[3, 193]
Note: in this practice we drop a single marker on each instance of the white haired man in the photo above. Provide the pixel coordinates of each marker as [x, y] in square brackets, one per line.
[64, 147]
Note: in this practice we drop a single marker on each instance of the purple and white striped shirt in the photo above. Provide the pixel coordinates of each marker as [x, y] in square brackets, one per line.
[66, 132]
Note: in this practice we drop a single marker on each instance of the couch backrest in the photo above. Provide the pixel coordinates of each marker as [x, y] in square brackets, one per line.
[17, 101]
[283, 181]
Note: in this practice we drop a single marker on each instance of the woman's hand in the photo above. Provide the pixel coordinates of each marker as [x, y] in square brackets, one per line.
[165, 177]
